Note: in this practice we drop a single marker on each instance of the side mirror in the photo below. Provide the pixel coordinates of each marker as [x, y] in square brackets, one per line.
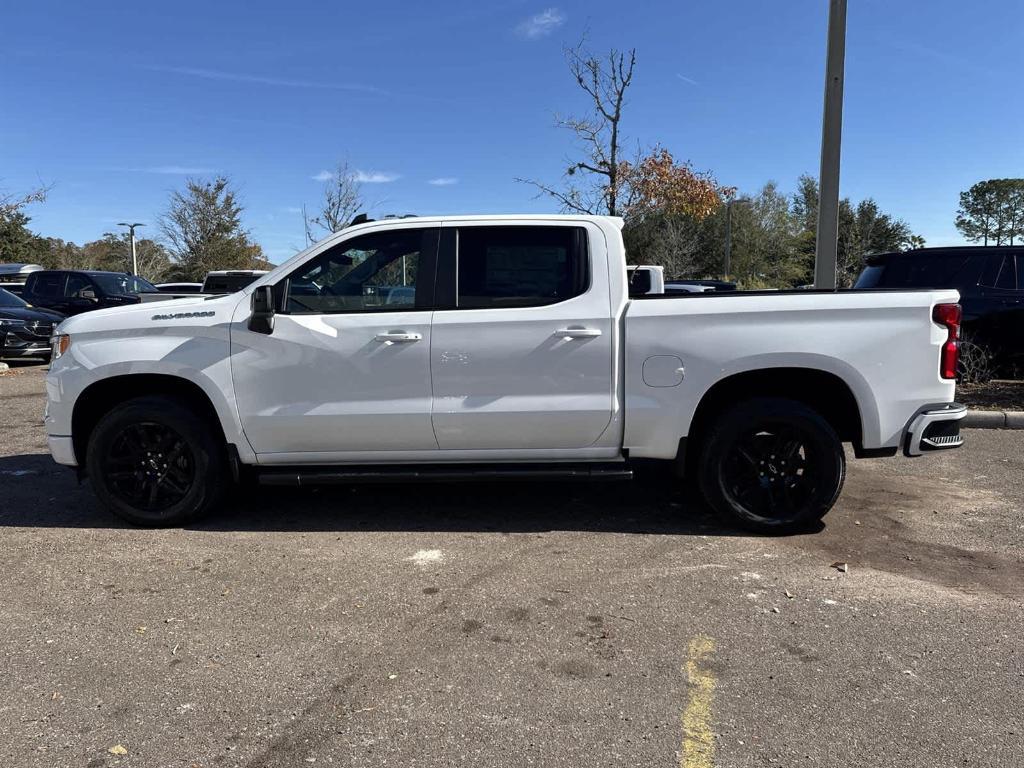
[262, 318]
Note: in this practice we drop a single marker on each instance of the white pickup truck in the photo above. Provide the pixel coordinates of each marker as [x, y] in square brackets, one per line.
[497, 347]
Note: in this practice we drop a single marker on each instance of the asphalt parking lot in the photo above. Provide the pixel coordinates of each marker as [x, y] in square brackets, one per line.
[513, 625]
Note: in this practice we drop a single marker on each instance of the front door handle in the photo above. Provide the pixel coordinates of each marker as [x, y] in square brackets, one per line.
[390, 337]
[578, 333]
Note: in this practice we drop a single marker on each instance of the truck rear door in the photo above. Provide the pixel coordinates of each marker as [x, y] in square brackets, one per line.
[521, 341]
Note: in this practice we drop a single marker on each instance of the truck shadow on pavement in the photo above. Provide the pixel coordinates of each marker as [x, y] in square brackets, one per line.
[36, 493]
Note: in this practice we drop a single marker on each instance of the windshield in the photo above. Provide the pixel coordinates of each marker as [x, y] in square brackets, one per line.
[120, 285]
[8, 299]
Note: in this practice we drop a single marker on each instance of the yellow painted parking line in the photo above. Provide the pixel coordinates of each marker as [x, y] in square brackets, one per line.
[698, 740]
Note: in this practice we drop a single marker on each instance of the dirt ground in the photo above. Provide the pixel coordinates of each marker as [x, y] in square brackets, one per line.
[513, 625]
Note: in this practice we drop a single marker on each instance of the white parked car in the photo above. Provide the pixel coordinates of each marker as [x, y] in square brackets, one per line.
[515, 352]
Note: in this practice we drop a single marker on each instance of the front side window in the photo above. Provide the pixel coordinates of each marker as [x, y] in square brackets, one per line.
[377, 272]
[520, 266]
[78, 286]
[115, 284]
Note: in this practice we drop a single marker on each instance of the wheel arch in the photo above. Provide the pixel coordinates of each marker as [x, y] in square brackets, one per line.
[823, 391]
[102, 396]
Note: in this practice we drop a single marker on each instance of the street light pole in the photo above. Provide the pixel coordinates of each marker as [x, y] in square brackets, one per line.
[131, 236]
[827, 247]
[728, 232]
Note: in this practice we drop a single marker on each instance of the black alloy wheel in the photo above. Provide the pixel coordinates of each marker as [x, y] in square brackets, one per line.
[773, 465]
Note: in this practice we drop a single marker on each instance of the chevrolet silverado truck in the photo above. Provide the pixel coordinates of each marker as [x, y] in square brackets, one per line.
[497, 347]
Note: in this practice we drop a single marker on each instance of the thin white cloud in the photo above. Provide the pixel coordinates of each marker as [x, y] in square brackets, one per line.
[323, 176]
[374, 177]
[176, 170]
[541, 24]
[284, 82]
[686, 79]
[443, 181]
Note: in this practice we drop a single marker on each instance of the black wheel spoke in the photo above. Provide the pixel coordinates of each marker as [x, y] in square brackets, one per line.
[767, 471]
[149, 466]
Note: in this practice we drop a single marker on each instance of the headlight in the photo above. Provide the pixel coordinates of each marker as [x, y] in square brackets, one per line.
[59, 344]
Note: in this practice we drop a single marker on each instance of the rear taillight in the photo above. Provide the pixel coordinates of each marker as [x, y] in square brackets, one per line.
[948, 316]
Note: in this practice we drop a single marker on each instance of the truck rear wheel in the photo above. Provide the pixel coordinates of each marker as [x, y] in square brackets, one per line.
[772, 465]
[153, 462]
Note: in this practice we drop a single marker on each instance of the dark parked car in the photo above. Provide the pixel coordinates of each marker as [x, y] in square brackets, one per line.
[991, 284]
[25, 331]
[72, 291]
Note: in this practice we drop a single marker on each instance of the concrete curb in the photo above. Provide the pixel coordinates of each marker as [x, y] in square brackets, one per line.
[976, 419]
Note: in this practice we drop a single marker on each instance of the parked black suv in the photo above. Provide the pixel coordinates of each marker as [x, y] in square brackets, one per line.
[991, 284]
[72, 292]
[25, 331]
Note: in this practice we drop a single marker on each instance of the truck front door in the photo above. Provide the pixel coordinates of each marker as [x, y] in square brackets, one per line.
[346, 367]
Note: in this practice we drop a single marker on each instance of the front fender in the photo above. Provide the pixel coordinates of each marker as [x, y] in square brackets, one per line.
[197, 355]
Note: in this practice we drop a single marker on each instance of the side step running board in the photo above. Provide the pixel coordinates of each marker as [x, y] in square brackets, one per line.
[441, 473]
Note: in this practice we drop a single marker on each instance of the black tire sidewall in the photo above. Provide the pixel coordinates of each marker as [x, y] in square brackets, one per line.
[822, 439]
[207, 452]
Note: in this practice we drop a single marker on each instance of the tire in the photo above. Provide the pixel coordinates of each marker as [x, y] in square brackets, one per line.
[772, 465]
[154, 462]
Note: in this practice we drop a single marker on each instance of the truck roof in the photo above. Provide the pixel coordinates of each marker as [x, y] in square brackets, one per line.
[967, 250]
[617, 221]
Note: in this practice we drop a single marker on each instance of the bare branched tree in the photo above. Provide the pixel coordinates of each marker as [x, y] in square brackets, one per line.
[341, 202]
[11, 204]
[594, 183]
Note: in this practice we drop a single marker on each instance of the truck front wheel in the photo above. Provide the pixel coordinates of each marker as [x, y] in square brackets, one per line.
[772, 465]
[154, 462]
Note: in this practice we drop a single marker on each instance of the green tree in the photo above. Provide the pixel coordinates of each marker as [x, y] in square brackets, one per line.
[18, 244]
[864, 229]
[978, 214]
[114, 252]
[765, 241]
[992, 210]
[203, 231]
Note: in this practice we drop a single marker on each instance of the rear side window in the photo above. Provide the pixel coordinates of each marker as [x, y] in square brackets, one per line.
[520, 266]
[1005, 271]
[49, 285]
[922, 270]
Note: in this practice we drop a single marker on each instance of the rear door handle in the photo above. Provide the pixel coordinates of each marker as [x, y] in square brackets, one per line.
[390, 337]
[578, 333]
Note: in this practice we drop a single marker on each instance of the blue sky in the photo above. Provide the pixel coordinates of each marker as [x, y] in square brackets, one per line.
[116, 103]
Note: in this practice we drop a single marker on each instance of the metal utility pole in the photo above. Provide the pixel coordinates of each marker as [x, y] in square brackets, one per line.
[131, 236]
[826, 252]
[728, 232]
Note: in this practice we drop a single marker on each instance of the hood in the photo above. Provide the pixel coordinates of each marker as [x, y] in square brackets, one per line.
[31, 314]
[194, 310]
